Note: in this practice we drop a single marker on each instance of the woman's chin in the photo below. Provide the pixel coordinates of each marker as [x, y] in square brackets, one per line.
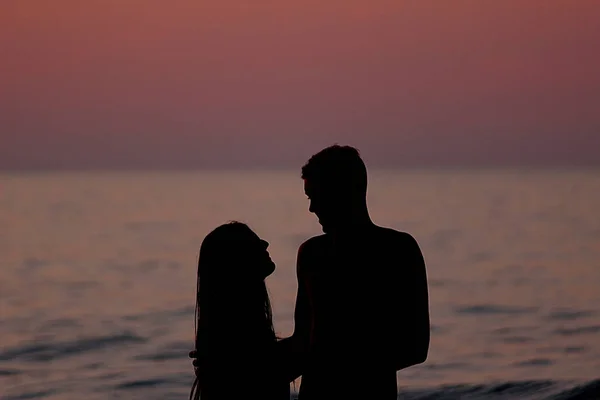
[269, 268]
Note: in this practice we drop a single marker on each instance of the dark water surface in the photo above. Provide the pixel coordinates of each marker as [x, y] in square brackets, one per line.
[97, 277]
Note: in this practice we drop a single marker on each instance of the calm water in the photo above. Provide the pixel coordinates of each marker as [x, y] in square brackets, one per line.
[97, 278]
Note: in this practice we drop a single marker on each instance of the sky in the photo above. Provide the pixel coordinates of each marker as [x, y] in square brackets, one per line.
[238, 84]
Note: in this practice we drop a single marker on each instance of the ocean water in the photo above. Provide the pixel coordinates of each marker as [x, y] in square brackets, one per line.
[97, 277]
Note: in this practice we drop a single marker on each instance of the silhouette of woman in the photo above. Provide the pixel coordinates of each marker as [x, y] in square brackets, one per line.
[235, 341]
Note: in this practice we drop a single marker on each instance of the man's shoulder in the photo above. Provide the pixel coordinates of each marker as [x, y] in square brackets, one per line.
[314, 243]
[396, 236]
[401, 245]
[310, 251]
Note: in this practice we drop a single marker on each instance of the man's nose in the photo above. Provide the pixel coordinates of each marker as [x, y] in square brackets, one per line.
[311, 207]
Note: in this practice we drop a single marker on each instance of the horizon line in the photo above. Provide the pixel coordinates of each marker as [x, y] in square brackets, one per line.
[256, 168]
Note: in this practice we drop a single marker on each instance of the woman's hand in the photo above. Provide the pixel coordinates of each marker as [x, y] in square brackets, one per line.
[195, 362]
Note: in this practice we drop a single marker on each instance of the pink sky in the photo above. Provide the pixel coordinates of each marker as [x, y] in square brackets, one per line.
[188, 83]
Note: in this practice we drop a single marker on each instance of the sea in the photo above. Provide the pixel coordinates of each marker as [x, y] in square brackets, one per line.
[97, 276]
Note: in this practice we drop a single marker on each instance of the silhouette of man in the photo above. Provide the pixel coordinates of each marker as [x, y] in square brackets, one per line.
[362, 307]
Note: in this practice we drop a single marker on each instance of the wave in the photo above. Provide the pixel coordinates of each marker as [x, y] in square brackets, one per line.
[570, 315]
[177, 387]
[9, 372]
[526, 390]
[579, 330]
[31, 395]
[163, 316]
[54, 350]
[172, 351]
[493, 309]
[138, 384]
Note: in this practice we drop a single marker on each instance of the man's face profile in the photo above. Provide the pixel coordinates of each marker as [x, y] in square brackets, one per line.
[322, 203]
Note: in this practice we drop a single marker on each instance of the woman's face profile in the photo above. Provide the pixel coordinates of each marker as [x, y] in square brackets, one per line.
[248, 252]
[258, 255]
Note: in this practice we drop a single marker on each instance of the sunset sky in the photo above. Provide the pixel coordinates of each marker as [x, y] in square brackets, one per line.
[237, 83]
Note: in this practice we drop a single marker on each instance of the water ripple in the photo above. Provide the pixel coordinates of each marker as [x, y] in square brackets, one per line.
[32, 263]
[9, 372]
[569, 315]
[518, 339]
[158, 316]
[172, 351]
[535, 362]
[140, 384]
[502, 390]
[581, 330]
[492, 309]
[30, 395]
[51, 351]
[446, 366]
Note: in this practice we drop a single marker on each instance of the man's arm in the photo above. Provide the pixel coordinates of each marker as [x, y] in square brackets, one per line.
[413, 328]
[292, 350]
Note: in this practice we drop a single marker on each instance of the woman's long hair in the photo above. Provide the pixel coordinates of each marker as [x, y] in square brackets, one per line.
[230, 294]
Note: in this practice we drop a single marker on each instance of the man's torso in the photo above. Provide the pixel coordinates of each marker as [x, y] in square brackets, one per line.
[351, 285]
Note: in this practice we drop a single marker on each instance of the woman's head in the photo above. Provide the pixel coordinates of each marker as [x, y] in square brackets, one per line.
[233, 250]
[232, 296]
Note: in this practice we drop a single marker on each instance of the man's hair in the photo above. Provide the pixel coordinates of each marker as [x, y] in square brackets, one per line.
[339, 167]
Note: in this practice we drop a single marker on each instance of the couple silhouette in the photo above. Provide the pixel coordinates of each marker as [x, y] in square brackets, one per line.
[361, 311]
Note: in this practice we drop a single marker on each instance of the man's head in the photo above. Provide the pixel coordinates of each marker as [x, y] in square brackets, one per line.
[335, 181]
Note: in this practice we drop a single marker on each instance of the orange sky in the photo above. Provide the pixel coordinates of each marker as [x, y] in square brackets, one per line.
[188, 83]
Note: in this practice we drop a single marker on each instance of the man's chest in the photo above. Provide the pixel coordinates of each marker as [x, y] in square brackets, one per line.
[351, 280]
